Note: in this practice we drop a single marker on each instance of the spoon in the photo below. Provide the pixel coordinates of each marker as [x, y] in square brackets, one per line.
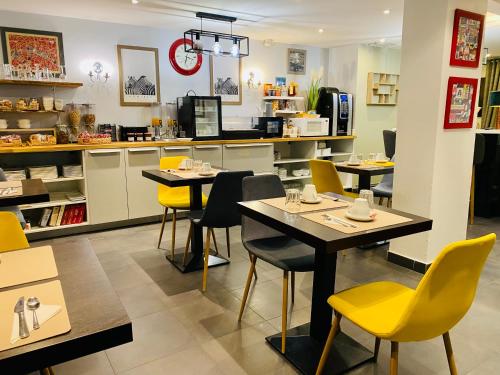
[33, 304]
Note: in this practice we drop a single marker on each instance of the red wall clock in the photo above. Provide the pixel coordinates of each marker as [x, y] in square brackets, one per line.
[466, 39]
[185, 63]
[460, 103]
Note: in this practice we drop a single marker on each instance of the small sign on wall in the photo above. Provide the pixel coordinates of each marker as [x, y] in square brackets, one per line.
[460, 103]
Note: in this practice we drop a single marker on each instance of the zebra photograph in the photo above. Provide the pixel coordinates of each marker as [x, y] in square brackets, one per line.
[139, 75]
[225, 79]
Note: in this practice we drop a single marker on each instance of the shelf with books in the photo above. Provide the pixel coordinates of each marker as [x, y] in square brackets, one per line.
[57, 216]
[45, 229]
[56, 199]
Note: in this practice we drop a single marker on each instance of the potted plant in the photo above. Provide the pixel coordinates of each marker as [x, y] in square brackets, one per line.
[313, 91]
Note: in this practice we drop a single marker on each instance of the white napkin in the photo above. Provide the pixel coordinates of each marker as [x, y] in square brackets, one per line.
[43, 313]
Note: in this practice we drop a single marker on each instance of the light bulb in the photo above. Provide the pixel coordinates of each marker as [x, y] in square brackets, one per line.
[198, 44]
[235, 50]
[217, 48]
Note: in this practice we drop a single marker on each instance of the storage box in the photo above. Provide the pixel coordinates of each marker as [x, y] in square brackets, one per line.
[48, 172]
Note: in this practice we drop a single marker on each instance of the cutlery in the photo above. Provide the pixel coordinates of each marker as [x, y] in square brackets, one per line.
[334, 219]
[19, 310]
[335, 199]
[340, 221]
[33, 304]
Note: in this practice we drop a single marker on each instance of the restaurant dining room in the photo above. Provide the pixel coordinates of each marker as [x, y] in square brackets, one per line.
[249, 187]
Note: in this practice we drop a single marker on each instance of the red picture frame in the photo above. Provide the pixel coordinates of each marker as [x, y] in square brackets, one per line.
[467, 39]
[460, 103]
[173, 61]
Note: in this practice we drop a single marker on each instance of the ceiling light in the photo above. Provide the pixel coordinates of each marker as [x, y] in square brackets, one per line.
[321, 31]
[217, 48]
[382, 40]
[135, 1]
[235, 49]
[387, 11]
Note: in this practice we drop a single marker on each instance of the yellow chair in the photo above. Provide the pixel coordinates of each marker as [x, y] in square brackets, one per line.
[326, 178]
[176, 198]
[394, 312]
[12, 236]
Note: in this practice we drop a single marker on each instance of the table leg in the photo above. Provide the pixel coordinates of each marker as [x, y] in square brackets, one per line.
[304, 344]
[364, 182]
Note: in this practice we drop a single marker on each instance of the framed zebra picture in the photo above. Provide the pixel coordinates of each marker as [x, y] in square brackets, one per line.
[225, 79]
[139, 75]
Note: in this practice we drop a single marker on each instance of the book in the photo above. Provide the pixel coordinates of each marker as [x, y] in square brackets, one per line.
[45, 217]
[53, 217]
[60, 215]
[66, 215]
[75, 196]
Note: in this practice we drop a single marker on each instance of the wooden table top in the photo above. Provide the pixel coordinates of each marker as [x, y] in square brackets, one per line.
[98, 319]
[354, 169]
[322, 237]
[171, 180]
[34, 191]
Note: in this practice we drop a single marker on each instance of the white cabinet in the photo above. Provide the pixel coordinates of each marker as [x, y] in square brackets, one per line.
[142, 192]
[257, 157]
[106, 185]
[177, 151]
[209, 154]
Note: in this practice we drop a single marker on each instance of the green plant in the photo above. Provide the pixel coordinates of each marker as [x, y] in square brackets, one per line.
[313, 91]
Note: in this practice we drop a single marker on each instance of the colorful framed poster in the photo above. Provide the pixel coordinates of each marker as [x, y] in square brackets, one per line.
[460, 103]
[33, 48]
[139, 75]
[225, 79]
[467, 38]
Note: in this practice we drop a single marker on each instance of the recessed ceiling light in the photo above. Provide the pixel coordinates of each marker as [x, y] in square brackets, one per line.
[387, 11]
[135, 1]
[382, 40]
[321, 31]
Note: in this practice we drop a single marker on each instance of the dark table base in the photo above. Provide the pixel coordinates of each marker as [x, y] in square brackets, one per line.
[195, 263]
[304, 352]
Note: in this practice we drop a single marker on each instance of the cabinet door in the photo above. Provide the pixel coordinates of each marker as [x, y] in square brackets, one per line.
[257, 157]
[106, 185]
[142, 192]
[177, 151]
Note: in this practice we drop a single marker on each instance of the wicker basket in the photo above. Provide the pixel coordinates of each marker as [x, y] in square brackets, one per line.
[47, 140]
[11, 143]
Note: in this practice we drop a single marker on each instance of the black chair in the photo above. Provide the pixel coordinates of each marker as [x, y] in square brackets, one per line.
[221, 211]
[272, 246]
[389, 142]
[479, 153]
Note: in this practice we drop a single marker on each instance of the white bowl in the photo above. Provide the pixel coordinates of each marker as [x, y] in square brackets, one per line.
[297, 172]
[306, 172]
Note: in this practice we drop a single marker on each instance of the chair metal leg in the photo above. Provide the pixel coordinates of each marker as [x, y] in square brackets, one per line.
[162, 225]
[377, 348]
[329, 341]
[472, 196]
[174, 221]
[394, 357]
[449, 354]
[284, 311]
[188, 241]
[228, 243]
[215, 241]
[205, 264]
[292, 284]
[247, 285]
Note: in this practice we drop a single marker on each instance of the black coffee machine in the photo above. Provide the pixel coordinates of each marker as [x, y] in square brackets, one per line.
[337, 106]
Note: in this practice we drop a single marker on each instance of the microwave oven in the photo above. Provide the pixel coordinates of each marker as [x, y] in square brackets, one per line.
[311, 127]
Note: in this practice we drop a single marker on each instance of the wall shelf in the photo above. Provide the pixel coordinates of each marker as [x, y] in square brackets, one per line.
[283, 98]
[18, 82]
[26, 111]
[48, 228]
[382, 89]
[291, 160]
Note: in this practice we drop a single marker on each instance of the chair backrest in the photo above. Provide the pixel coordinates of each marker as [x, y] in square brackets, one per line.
[171, 162]
[446, 292]
[389, 142]
[479, 149]
[255, 188]
[388, 179]
[325, 177]
[222, 210]
[12, 236]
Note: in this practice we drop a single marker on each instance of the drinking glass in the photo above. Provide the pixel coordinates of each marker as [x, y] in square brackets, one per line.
[371, 156]
[38, 72]
[7, 71]
[197, 165]
[360, 158]
[292, 200]
[368, 195]
[189, 164]
[62, 72]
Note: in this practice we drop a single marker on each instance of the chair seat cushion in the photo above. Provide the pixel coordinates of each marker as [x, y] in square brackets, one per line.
[375, 307]
[283, 252]
[178, 201]
[382, 191]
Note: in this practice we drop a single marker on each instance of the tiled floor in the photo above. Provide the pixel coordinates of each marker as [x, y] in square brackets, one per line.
[179, 330]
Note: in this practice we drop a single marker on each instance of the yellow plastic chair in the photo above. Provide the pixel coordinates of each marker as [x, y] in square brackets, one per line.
[326, 178]
[176, 198]
[12, 236]
[394, 312]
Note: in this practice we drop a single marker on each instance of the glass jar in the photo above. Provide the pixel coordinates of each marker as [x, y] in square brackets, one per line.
[88, 117]
[74, 115]
[62, 134]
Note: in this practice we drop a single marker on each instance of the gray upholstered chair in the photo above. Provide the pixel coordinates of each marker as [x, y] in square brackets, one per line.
[384, 188]
[14, 209]
[270, 245]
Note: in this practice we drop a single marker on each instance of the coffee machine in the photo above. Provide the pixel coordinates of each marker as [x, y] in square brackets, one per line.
[337, 106]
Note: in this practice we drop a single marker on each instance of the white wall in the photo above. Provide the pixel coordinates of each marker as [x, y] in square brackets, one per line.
[88, 41]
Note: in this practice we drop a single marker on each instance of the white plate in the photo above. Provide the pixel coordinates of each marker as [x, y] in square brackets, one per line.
[358, 218]
[206, 173]
[318, 200]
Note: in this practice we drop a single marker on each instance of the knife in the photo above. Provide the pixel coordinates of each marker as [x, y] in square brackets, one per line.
[23, 327]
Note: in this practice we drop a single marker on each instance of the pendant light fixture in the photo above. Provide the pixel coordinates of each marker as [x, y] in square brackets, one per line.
[221, 44]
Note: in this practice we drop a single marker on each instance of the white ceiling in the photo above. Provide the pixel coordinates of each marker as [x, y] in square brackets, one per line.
[287, 21]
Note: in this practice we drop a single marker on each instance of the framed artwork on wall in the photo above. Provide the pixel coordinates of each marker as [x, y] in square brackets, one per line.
[139, 75]
[296, 61]
[467, 38]
[32, 48]
[460, 103]
[225, 79]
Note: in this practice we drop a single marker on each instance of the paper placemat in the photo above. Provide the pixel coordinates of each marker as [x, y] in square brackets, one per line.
[189, 174]
[49, 293]
[11, 188]
[325, 204]
[382, 219]
[27, 265]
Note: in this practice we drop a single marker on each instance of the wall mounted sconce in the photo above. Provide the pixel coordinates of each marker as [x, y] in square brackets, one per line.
[96, 74]
[486, 54]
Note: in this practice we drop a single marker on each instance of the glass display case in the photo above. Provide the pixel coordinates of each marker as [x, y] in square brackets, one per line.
[199, 117]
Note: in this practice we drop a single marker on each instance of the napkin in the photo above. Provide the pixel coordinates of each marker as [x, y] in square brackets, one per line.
[44, 313]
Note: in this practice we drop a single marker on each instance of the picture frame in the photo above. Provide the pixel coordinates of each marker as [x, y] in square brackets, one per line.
[467, 39]
[33, 47]
[296, 61]
[226, 80]
[460, 103]
[139, 75]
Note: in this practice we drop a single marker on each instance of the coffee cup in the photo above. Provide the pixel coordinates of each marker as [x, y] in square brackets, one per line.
[381, 156]
[353, 158]
[309, 194]
[206, 167]
[360, 208]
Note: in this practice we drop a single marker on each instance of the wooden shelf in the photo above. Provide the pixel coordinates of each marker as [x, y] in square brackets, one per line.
[286, 111]
[283, 98]
[20, 82]
[26, 111]
[382, 89]
[30, 130]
